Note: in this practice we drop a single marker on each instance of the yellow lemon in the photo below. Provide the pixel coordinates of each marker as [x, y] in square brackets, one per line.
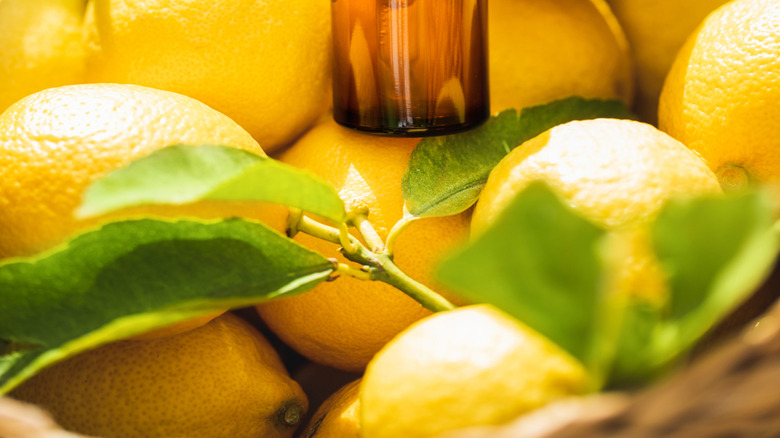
[265, 64]
[722, 95]
[338, 416]
[471, 366]
[41, 46]
[55, 142]
[343, 323]
[656, 29]
[546, 50]
[220, 380]
[617, 173]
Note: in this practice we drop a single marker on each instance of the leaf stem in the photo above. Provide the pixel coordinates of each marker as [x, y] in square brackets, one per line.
[367, 231]
[389, 273]
[347, 242]
[396, 230]
[360, 274]
[321, 231]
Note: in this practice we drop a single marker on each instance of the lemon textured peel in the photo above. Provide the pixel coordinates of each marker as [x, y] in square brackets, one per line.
[470, 366]
[229, 382]
[55, 142]
[720, 97]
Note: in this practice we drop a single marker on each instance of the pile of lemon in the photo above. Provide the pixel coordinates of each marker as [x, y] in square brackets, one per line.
[86, 87]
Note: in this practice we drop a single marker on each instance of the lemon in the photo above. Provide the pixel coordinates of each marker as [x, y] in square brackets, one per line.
[617, 173]
[471, 366]
[721, 96]
[220, 380]
[265, 64]
[656, 29]
[338, 416]
[41, 46]
[343, 323]
[55, 142]
[546, 50]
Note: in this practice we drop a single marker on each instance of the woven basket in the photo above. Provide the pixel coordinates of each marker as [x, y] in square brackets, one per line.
[730, 389]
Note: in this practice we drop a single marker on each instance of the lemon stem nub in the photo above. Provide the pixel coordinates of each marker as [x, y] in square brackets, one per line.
[291, 414]
[732, 178]
[396, 230]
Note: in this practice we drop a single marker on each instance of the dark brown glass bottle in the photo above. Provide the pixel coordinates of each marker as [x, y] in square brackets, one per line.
[410, 67]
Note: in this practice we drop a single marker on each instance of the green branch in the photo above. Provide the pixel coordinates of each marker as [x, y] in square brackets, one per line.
[380, 266]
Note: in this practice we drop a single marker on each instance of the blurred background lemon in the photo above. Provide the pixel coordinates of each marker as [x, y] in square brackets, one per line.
[656, 29]
[40, 46]
[547, 50]
[265, 64]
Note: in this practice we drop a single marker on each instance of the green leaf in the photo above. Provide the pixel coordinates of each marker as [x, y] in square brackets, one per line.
[446, 174]
[538, 262]
[129, 277]
[716, 252]
[184, 174]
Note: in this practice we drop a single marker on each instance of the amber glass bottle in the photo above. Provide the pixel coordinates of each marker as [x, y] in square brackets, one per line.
[410, 67]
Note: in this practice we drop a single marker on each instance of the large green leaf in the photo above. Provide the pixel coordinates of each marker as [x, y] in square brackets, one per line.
[538, 262]
[446, 174]
[716, 252]
[129, 277]
[185, 174]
